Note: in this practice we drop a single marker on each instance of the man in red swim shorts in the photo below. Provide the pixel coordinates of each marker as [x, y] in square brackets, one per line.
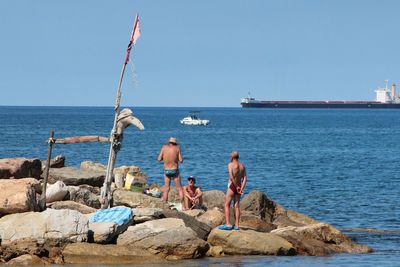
[236, 184]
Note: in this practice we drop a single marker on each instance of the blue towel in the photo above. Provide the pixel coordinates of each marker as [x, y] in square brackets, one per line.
[118, 215]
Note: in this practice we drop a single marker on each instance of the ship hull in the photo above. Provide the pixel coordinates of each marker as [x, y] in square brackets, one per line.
[282, 104]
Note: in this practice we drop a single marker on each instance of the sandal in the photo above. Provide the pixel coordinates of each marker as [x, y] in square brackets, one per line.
[225, 227]
[236, 227]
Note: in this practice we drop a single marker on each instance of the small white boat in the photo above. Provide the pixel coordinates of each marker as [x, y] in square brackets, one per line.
[192, 119]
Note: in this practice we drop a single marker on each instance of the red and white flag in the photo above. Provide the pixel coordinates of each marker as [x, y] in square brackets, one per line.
[134, 36]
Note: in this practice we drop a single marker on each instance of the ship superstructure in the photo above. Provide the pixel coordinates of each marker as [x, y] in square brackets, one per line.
[385, 98]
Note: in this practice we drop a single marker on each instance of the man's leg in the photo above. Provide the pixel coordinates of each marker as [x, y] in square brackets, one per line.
[236, 204]
[227, 206]
[186, 202]
[179, 188]
[167, 184]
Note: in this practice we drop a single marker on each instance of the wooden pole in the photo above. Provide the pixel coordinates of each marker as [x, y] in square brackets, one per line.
[42, 200]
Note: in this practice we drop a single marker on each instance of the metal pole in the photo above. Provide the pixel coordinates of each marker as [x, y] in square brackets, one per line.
[42, 201]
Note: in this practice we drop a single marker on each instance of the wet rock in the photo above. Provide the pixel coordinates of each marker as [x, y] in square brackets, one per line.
[250, 243]
[73, 176]
[20, 168]
[320, 238]
[167, 237]
[18, 195]
[28, 260]
[85, 253]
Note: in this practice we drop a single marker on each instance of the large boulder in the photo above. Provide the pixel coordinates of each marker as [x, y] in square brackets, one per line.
[20, 168]
[201, 229]
[168, 237]
[28, 260]
[137, 200]
[73, 176]
[259, 204]
[53, 227]
[239, 242]
[18, 195]
[214, 199]
[212, 217]
[319, 239]
[95, 254]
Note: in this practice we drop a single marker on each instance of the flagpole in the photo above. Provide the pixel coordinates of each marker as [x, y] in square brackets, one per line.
[115, 145]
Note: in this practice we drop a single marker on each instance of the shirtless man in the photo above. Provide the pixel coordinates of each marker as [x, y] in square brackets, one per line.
[236, 184]
[192, 194]
[171, 155]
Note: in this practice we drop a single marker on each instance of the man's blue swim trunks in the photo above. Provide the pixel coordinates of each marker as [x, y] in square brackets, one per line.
[170, 173]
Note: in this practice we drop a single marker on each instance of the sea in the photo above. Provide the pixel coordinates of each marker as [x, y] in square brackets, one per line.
[339, 166]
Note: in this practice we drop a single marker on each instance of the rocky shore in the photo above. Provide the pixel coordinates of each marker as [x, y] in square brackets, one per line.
[65, 233]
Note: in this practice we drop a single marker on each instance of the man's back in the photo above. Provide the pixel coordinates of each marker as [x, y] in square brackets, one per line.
[237, 170]
[170, 154]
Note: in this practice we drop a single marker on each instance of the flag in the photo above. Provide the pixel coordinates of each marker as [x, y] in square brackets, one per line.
[134, 36]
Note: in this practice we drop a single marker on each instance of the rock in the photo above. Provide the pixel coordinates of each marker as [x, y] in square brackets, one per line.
[168, 237]
[137, 200]
[57, 162]
[320, 238]
[87, 254]
[71, 205]
[28, 260]
[86, 195]
[250, 243]
[141, 215]
[201, 229]
[53, 227]
[194, 212]
[90, 165]
[212, 217]
[10, 250]
[73, 176]
[20, 168]
[56, 192]
[215, 251]
[173, 195]
[214, 199]
[252, 222]
[18, 195]
[259, 204]
[102, 232]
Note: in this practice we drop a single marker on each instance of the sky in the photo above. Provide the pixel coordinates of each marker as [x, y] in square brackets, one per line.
[207, 53]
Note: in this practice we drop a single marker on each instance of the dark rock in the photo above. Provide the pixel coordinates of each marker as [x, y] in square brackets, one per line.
[20, 168]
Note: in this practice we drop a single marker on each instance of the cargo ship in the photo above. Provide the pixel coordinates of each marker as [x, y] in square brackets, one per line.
[385, 98]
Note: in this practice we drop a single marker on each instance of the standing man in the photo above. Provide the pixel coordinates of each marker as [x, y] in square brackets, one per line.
[192, 194]
[171, 155]
[236, 184]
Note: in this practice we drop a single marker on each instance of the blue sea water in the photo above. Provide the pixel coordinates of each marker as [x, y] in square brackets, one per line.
[337, 166]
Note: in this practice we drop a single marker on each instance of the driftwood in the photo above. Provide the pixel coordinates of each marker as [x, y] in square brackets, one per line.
[82, 139]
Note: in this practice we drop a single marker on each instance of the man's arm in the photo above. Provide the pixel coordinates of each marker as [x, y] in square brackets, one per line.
[160, 156]
[230, 171]
[180, 156]
[199, 193]
[244, 180]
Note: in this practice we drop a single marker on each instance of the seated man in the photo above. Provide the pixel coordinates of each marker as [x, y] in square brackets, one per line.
[192, 194]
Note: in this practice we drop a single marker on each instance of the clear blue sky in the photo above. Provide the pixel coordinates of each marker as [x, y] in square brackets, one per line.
[205, 53]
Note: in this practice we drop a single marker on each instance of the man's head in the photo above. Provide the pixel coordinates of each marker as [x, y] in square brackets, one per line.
[172, 140]
[234, 155]
[191, 180]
